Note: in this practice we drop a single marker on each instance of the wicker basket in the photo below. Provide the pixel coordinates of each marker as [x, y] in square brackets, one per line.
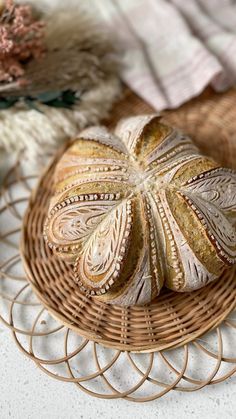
[172, 319]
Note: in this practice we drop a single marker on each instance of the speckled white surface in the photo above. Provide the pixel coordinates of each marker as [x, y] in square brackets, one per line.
[27, 393]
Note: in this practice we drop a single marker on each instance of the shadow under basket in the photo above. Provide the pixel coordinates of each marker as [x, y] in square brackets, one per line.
[172, 319]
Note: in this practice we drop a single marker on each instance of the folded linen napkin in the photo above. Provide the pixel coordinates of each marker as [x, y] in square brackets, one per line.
[174, 49]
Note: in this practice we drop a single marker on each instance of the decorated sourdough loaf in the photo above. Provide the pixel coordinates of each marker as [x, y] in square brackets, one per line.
[141, 208]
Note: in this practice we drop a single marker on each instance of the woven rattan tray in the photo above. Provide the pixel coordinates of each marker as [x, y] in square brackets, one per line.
[172, 319]
[46, 328]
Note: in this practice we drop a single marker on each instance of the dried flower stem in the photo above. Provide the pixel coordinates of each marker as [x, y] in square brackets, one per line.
[21, 39]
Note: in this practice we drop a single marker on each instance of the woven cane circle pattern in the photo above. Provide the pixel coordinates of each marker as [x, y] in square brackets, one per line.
[99, 377]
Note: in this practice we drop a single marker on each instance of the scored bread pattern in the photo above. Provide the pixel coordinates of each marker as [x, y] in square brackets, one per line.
[140, 208]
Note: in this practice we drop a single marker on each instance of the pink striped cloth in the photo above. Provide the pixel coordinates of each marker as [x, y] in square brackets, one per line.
[174, 49]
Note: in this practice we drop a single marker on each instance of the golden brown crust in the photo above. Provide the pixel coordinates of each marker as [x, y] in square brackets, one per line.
[141, 210]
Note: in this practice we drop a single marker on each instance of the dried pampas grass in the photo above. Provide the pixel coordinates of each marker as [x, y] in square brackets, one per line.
[80, 57]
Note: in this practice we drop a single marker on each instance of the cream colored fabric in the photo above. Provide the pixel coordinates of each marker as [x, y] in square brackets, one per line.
[174, 49]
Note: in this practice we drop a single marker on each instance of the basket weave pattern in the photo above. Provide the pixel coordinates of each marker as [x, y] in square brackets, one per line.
[172, 319]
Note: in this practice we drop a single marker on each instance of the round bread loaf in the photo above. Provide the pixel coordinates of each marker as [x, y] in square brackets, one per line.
[140, 208]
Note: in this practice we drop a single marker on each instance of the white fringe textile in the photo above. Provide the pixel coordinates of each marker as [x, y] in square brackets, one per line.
[40, 133]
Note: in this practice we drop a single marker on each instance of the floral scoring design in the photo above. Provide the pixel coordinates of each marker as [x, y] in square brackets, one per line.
[141, 208]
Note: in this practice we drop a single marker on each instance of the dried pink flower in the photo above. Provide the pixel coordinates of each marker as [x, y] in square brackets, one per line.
[21, 39]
